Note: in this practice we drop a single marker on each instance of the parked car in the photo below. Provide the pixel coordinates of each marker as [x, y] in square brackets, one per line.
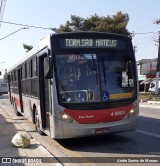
[152, 90]
[3, 88]
[153, 86]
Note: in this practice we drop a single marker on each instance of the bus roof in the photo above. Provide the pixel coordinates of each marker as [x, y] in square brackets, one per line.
[90, 33]
[45, 42]
[42, 44]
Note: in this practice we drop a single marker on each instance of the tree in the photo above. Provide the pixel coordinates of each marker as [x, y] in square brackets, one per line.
[115, 24]
[27, 47]
[5, 75]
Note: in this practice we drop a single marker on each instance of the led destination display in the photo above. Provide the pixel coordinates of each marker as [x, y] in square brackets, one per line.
[91, 43]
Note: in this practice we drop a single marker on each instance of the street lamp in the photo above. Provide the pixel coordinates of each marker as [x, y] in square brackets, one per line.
[14, 32]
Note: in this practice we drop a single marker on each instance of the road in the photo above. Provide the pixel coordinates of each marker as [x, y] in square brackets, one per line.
[144, 142]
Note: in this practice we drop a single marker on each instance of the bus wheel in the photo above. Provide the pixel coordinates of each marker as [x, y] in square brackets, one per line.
[15, 109]
[37, 125]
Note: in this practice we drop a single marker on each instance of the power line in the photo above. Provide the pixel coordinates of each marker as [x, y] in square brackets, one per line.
[14, 32]
[142, 26]
[33, 26]
[143, 33]
[19, 24]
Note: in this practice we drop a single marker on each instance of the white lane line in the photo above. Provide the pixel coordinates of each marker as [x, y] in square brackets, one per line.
[142, 114]
[150, 106]
[148, 133]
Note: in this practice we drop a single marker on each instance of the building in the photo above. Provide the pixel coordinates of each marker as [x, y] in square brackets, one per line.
[146, 73]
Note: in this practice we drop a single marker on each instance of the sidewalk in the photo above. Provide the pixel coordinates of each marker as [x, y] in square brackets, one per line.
[9, 126]
[153, 102]
[149, 101]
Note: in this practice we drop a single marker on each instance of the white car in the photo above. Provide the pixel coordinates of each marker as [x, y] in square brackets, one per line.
[152, 90]
[3, 88]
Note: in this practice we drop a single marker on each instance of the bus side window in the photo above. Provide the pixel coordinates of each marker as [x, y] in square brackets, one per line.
[34, 66]
[31, 68]
[34, 78]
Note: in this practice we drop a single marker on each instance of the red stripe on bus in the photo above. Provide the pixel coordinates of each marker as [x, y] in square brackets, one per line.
[17, 102]
[97, 116]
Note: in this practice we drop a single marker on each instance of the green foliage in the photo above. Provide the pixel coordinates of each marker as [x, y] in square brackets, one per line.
[5, 75]
[149, 96]
[113, 24]
[27, 47]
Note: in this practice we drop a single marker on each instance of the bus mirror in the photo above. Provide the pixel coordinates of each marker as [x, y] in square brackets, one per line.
[49, 74]
[49, 70]
[0, 73]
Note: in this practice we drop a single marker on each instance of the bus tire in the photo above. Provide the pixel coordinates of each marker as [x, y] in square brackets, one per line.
[37, 125]
[15, 109]
[33, 114]
[12, 102]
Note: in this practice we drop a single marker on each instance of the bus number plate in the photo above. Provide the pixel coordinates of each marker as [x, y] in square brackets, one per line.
[101, 131]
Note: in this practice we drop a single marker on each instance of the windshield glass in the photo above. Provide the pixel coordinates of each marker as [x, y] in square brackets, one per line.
[94, 77]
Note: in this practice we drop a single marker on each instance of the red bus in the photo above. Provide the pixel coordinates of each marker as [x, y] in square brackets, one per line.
[77, 84]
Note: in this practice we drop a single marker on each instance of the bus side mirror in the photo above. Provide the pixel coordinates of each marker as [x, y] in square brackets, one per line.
[0, 73]
[49, 70]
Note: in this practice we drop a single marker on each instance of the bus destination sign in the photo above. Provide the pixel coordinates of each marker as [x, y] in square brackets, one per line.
[91, 43]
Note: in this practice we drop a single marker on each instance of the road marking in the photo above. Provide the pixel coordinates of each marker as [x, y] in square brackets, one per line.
[149, 106]
[142, 114]
[148, 133]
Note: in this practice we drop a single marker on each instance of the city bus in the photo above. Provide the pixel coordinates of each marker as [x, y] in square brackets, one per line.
[77, 84]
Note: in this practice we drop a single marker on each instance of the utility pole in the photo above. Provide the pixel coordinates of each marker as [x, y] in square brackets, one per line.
[158, 61]
[158, 67]
[2, 7]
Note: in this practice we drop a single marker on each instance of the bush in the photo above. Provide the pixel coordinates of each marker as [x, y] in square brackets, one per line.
[147, 96]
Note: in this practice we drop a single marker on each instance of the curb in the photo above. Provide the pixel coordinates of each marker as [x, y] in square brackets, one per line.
[153, 102]
[149, 101]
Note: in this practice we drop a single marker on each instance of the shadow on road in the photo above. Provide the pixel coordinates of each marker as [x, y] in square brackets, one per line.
[7, 131]
[120, 143]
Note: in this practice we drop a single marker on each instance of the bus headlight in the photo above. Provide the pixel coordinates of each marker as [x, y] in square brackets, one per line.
[131, 112]
[64, 116]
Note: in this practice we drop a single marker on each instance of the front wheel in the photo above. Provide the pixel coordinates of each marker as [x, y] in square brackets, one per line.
[15, 109]
[37, 125]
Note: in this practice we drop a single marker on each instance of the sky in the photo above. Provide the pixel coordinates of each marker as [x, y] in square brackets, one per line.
[51, 13]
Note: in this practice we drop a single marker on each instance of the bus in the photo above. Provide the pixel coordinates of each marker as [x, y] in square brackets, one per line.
[77, 84]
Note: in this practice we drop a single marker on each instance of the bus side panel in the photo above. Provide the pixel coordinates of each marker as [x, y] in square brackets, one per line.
[56, 126]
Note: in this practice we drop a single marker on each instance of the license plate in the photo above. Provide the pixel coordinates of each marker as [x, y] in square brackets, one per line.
[101, 131]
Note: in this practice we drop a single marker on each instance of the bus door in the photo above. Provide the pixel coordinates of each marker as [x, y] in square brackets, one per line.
[44, 88]
[9, 87]
[20, 88]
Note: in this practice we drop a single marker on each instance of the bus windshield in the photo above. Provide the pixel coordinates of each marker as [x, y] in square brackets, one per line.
[97, 77]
